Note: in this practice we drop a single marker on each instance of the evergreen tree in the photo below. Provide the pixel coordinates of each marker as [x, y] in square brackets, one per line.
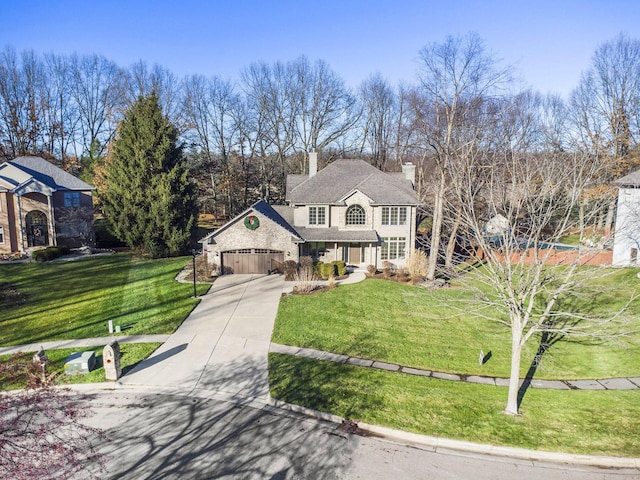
[146, 195]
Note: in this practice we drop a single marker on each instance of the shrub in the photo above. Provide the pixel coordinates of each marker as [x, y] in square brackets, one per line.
[50, 253]
[387, 268]
[290, 268]
[327, 270]
[306, 262]
[417, 265]
[304, 279]
[331, 283]
[341, 267]
[371, 270]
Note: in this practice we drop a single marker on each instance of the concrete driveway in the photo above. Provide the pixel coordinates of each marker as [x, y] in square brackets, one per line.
[223, 345]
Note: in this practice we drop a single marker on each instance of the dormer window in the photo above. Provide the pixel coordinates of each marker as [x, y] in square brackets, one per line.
[356, 215]
[317, 216]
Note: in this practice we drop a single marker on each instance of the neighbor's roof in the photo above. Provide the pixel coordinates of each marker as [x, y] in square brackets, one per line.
[263, 208]
[631, 180]
[339, 179]
[24, 169]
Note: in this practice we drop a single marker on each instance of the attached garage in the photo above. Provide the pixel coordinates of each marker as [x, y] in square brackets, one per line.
[252, 260]
[258, 241]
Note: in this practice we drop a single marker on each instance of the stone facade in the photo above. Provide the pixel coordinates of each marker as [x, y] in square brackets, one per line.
[236, 236]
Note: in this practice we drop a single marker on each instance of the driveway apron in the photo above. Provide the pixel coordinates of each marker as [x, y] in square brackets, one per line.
[224, 343]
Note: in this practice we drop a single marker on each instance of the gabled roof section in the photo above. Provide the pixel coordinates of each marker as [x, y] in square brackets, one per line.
[263, 208]
[631, 180]
[340, 178]
[48, 174]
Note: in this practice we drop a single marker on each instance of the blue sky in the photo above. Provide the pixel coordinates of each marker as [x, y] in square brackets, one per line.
[549, 42]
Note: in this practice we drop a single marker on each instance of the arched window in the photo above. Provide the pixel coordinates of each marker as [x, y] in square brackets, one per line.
[356, 215]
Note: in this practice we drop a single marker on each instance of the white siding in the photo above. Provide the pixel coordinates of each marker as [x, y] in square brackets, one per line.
[627, 232]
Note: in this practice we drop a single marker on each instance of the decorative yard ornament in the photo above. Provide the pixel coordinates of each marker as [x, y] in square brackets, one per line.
[251, 222]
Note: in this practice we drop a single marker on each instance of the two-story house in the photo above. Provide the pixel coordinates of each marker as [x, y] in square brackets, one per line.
[348, 211]
[42, 205]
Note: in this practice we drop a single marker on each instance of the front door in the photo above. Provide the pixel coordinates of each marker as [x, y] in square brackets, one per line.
[354, 254]
[37, 229]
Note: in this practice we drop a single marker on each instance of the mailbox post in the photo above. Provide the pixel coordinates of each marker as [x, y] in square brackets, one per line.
[111, 361]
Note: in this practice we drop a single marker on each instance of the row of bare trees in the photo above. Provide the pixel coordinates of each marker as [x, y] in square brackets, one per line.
[244, 137]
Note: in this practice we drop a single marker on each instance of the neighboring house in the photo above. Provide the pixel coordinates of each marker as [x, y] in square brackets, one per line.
[347, 211]
[42, 205]
[626, 242]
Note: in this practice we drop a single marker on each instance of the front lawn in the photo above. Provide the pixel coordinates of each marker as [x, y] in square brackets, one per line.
[67, 300]
[421, 328]
[584, 422]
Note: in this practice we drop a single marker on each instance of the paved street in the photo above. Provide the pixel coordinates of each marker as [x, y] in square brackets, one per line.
[160, 436]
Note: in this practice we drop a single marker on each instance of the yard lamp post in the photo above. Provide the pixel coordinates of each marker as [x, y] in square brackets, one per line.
[193, 253]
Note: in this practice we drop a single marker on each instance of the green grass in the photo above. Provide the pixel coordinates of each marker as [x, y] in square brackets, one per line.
[584, 422]
[415, 327]
[132, 353]
[66, 300]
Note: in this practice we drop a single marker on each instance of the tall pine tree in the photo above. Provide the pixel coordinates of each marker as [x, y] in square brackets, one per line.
[146, 195]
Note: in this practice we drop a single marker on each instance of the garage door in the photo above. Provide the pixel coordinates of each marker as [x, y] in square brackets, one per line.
[252, 260]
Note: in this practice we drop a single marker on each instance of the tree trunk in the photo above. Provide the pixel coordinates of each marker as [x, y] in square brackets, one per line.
[436, 229]
[514, 377]
[609, 220]
[451, 245]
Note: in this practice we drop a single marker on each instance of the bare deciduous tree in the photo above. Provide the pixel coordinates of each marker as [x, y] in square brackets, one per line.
[457, 78]
[606, 111]
[527, 285]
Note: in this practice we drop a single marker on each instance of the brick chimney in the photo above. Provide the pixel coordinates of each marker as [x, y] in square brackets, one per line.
[313, 164]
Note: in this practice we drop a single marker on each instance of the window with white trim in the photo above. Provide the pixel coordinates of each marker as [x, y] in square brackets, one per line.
[394, 215]
[317, 215]
[393, 248]
[71, 199]
[356, 215]
[1, 234]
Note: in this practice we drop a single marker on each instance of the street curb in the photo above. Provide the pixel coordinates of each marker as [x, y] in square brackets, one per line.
[443, 445]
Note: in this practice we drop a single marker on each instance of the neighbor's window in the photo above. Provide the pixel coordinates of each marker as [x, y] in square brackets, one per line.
[393, 248]
[71, 199]
[356, 215]
[1, 234]
[394, 215]
[317, 216]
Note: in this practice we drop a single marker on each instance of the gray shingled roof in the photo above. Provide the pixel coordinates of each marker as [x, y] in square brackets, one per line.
[333, 234]
[342, 177]
[263, 208]
[48, 174]
[632, 180]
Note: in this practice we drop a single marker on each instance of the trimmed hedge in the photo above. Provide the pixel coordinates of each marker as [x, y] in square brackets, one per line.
[50, 253]
[341, 267]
